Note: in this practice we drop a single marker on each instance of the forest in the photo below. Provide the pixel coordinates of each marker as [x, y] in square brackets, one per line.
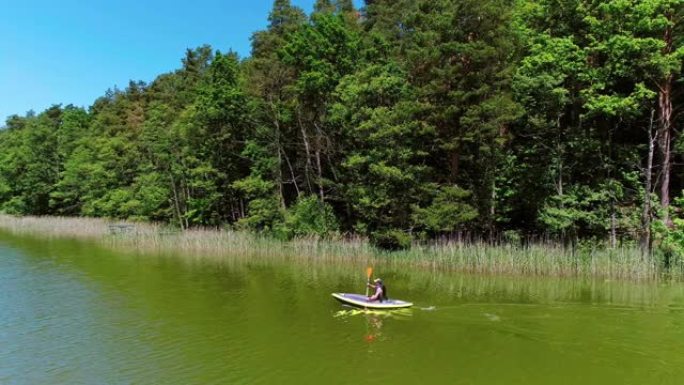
[404, 120]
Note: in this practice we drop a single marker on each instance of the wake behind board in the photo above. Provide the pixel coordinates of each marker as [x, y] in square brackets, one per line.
[360, 300]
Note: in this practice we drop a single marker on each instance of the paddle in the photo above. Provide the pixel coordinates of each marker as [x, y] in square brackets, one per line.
[369, 273]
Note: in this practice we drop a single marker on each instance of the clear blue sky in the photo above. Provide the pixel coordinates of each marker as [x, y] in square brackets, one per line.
[71, 51]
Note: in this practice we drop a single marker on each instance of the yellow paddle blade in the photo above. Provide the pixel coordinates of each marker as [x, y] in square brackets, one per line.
[369, 272]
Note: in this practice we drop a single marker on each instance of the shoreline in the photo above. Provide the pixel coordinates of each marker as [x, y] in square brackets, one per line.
[537, 260]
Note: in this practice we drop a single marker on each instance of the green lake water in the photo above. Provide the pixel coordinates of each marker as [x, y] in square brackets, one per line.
[74, 313]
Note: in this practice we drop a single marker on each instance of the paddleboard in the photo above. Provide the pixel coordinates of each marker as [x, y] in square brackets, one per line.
[360, 300]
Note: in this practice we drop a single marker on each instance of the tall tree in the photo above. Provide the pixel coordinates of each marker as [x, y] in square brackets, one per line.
[270, 81]
[344, 6]
[320, 53]
[460, 56]
[636, 52]
[220, 119]
[324, 6]
[384, 148]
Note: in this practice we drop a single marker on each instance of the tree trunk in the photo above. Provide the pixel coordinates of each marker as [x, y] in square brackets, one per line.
[186, 199]
[492, 208]
[176, 202]
[613, 227]
[320, 175]
[665, 144]
[454, 164]
[292, 173]
[646, 214]
[307, 149]
[665, 134]
[281, 182]
[319, 165]
[559, 183]
[561, 152]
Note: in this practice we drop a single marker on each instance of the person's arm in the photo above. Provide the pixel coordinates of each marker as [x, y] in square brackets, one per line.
[377, 295]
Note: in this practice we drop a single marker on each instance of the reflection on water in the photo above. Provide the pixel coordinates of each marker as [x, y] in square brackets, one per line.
[73, 313]
[369, 313]
[374, 319]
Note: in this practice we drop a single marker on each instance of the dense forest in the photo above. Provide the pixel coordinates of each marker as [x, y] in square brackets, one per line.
[406, 119]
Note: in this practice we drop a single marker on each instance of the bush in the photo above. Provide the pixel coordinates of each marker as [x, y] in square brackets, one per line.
[447, 212]
[309, 216]
[265, 215]
[15, 206]
[391, 240]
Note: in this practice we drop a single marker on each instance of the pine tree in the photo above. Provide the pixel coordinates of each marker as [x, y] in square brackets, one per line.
[460, 54]
[344, 6]
[324, 6]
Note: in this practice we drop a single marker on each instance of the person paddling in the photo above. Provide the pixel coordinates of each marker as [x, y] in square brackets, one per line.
[380, 291]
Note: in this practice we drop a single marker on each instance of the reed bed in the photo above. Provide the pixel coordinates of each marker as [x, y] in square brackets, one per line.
[541, 259]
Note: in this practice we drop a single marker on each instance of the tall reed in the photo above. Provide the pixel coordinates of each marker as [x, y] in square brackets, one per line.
[540, 259]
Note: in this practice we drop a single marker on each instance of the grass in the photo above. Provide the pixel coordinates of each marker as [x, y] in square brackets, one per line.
[541, 259]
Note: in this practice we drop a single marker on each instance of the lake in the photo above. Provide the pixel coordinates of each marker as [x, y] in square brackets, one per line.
[74, 313]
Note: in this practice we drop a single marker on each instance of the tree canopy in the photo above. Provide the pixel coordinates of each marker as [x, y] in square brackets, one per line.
[428, 117]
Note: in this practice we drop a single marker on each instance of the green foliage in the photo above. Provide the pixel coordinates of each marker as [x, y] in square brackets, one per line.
[447, 212]
[310, 217]
[670, 240]
[321, 52]
[670, 243]
[265, 211]
[265, 215]
[460, 56]
[384, 164]
[324, 6]
[581, 207]
[150, 197]
[391, 240]
[430, 116]
[306, 218]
